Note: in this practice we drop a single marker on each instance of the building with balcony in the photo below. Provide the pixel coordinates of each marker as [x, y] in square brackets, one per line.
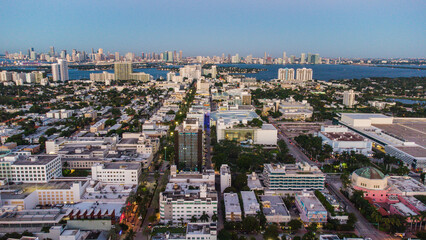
[299, 176]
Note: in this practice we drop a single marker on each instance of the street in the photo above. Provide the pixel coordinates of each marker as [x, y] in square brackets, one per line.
[362, 226]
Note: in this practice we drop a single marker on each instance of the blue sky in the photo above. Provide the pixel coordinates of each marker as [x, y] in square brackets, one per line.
[333, 28]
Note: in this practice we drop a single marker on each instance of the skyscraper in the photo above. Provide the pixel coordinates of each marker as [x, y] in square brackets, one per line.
[55, 72]
[284, 57]
[304, 74]
[52, 51]
[286, 74]
[310, 59]
[117, 56]
[122, 70]
[302, 58]
[63, 68]
[63, 54]
[349, 98]
[189, 145]
[316, 59]
[180, 55]
[169, 56]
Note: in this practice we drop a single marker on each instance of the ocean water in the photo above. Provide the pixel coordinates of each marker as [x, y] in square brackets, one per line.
[320, 72]
[329, 72]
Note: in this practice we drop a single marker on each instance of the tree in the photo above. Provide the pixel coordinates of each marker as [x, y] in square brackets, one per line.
[250, 224]
[214, 217]
[51, 131]
[230, 189]
[224, 235]
[255, 122]
[42, 141]
[130, 235]
[309, 236]
[193, 219]
[261, 217]
[240, 181]
[295, 225]
[271, 232]
[204, 217]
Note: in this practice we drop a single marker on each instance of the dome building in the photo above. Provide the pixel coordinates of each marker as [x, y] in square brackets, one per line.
[372, 182]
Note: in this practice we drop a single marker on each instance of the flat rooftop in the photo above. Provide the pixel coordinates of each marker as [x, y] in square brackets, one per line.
[343, 136]
[411, 130]
[229, 115]
[365, 115]
[70, 232]
[129, 141]
[205, 228]
[36, 160]
[249, 201]
[407, 184]
[274, 205]
[415, 151]
[123, 165]
[232, 204]
[311, 202]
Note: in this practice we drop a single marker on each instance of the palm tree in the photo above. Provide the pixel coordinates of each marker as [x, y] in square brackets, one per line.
[377, 217]
[411, 221]
[204, 217]
[131, 234]
[214, 217]
[422, 218]
[193, 218]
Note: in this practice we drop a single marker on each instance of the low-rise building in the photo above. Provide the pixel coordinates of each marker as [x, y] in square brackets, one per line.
[206, 177]
[253, 182]
[98, 126]
[232, 207]
[343, 140]
[274, 209]
[250, 204]
[299, 176]
[310, 208]
[122, 173]
[36, 169]
[180, 202]
[207, 231]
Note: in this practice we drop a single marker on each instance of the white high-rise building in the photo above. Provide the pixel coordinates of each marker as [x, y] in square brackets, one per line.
[349, 98]
[170, 76]
[304, 74]
[284, 57]
[286, 74]
[63, 68]
[191, 72]
[302, 58]
[225, 177]
[214, 71]
[55, 72]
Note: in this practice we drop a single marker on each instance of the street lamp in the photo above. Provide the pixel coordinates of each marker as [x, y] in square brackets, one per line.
[165, 153]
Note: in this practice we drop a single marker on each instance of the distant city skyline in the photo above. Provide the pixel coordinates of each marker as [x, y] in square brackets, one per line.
[331, 28]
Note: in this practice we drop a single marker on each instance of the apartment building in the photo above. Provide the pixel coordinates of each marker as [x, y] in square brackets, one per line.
[232, 207]
[311, 209]
[31, 169]
[116, 172]
[180, 202]
[297, 176]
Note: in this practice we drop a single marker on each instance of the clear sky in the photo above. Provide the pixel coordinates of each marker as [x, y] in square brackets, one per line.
[333, 28]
